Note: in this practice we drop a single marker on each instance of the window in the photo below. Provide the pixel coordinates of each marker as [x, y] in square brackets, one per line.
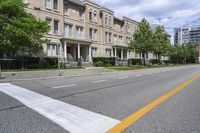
[110, 37]
[66, 8]
[55, 4]
[106, 37]
[106, 20]
[95, 16]
[90, 15]
[79, 32]
[109, 21]
[48, 3]
[52, 50]
[91, 36]
[56, 25]
[95, 35]
[81, 13]
[49, 22]
[68, 30]
[128, 27]
[108, 52]
[128, 40]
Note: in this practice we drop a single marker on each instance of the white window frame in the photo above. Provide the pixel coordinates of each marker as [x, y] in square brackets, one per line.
[90, 15]
[81, 13]
[106, 20]
[50, 6]
[51, 24]
[57, 5]
[54, 31]
[66, 9]
[68, 30]
[95, 16]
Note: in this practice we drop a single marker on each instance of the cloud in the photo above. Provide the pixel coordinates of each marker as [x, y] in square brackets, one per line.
[170, 13]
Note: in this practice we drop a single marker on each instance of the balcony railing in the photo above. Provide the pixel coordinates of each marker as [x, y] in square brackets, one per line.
[119, 43]
[76, 35]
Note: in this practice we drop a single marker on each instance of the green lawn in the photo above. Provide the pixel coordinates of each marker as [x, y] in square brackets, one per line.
[127, 68]
[45, 69]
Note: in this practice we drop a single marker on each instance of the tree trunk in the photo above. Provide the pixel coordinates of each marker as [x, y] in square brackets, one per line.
[143, 57]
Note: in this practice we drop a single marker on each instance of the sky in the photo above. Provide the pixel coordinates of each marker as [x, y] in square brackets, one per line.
[170, 13]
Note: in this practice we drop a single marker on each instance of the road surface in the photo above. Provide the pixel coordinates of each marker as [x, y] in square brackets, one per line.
[99, 103]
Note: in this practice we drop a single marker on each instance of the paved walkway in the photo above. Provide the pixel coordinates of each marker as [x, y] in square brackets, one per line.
[37, 75]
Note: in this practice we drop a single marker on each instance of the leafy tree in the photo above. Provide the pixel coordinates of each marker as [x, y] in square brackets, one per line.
[142, 40]
[19, 30]
[182, 53]
[189, 52]
[161, 42]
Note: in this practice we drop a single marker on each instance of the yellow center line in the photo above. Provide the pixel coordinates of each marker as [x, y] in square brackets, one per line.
[137, 115]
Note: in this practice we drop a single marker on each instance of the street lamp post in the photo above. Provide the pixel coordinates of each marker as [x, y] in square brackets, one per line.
[59, 73]
[0, 73]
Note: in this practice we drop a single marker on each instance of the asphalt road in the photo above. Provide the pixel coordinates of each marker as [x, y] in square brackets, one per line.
[116, 95]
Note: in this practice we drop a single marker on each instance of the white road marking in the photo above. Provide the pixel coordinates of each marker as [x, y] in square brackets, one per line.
[99, 81]
[122, 77]
[64, 86]
[137, 75]
[71, 118]
[149, 73]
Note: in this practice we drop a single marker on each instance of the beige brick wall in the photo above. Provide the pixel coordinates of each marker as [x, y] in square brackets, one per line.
[37, 8]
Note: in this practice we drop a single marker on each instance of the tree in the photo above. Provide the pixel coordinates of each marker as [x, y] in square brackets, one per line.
[184, 53]
[20, 30]
[161, 42]
[142, 40]
[189, 52]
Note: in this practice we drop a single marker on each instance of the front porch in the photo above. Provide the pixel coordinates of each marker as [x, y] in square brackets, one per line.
[77, 53]
[121, 53]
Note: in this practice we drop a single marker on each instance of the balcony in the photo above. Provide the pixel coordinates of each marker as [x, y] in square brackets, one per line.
[119, 43]
[77, 36]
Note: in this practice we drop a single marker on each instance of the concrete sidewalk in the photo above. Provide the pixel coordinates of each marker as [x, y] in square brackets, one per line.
[48, 74]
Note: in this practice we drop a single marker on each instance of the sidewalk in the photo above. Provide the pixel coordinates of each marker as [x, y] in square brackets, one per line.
[48, 74]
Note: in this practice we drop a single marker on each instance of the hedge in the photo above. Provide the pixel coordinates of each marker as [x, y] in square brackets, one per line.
[155, 61]
[135, 61]
[104, 61]
[29, 63]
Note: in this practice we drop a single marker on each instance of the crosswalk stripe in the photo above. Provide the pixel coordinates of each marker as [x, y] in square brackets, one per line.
[71, 118]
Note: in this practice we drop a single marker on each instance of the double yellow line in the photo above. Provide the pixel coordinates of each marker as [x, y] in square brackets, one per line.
[137, 115]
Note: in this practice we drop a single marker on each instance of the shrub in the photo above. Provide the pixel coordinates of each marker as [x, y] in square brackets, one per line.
[29, 63]
[135, 61]
[104, 61]
[155, 61]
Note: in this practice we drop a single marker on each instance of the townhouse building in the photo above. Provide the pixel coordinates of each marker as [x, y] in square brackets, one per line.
[83, 29]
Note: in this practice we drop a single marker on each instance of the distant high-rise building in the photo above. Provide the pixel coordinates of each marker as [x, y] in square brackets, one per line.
[187, 34]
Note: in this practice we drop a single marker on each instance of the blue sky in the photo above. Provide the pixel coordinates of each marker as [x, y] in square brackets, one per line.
[170, 13]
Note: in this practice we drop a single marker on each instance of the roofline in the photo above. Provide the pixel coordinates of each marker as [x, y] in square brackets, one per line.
[92, 3]
[104, 8]
[124, 17]
[118, 19]
[192, 26]
[75, 3]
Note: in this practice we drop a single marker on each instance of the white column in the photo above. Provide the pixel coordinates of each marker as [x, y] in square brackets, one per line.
[65, 50]
[122, 54]
[127, 55]
[115, 52]
[90, 52]
[79, 52]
